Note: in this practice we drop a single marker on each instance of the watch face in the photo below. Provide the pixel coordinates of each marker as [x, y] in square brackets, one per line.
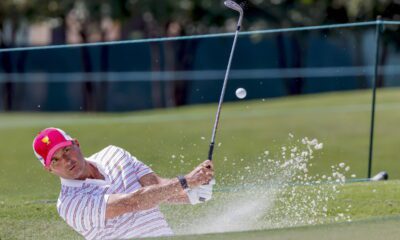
[183, 182]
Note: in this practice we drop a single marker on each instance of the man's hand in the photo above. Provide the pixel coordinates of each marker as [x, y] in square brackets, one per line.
[156, 190]
[202, 193]
[201, 175]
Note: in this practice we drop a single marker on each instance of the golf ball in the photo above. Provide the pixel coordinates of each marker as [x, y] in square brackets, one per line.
[241, 93]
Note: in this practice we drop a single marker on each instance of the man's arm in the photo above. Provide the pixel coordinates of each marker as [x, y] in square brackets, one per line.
[151, 196]
[152, 179]
[142, 199]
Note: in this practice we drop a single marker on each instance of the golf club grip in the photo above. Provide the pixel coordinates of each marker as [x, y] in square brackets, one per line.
[210, 151]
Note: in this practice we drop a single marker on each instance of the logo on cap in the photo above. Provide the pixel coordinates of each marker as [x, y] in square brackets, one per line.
[46, 140]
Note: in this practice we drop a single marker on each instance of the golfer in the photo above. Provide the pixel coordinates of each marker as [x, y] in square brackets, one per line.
[111, 194]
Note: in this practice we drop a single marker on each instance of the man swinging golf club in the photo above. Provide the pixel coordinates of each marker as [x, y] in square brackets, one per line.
[111, 194]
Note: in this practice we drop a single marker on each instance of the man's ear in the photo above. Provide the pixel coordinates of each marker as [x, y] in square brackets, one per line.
[47, 169]
[76, 142]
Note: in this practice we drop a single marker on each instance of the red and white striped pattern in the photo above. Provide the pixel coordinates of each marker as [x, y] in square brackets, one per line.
[82, 204]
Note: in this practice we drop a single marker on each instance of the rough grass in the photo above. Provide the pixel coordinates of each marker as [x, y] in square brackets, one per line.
[247, 128]
[375, 210]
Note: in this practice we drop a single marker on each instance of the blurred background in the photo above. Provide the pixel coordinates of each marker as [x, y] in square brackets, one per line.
[165, 73]
[128, 55]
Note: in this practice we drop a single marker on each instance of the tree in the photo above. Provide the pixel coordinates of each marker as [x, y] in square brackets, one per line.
[13, 15]
[154, 18]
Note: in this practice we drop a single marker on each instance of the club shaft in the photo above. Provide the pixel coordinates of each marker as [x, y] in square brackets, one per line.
[221, 99]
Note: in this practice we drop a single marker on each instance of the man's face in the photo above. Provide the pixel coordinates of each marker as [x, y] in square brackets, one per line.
[68, 162]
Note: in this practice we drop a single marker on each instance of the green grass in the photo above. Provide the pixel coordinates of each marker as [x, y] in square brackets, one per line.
[376, 208]
[377, 228]
[247, 128]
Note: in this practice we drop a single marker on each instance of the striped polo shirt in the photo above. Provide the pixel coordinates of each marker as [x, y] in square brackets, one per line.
[82, 204]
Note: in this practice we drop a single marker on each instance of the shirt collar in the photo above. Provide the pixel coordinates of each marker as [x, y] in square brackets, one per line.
[79, 183]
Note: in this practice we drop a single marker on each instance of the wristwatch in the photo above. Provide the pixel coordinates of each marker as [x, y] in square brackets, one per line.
[183, 182]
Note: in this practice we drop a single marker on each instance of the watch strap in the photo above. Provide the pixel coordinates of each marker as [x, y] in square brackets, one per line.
[183, 182]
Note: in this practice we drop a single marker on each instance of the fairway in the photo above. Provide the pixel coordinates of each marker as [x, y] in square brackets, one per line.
[172, 141]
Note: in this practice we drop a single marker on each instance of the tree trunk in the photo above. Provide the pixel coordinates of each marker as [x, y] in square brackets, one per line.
[296, 86]
[59, 34]
[8, 84]
[87, 84]
[178, 57]
[104, 66]
[157, 85]
[156, 92]
[185, 58]
[381, 63]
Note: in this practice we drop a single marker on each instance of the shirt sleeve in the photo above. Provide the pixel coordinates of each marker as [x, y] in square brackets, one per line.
[83, 211]
[139, 167]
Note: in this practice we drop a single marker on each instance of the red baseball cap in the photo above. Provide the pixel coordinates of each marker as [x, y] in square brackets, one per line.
[47, 142]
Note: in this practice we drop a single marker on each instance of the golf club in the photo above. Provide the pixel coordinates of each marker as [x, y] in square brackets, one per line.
[381, 176]
[232, 5]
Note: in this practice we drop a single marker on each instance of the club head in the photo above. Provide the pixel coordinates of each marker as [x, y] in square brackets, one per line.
[233, 5]
[380, 176]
